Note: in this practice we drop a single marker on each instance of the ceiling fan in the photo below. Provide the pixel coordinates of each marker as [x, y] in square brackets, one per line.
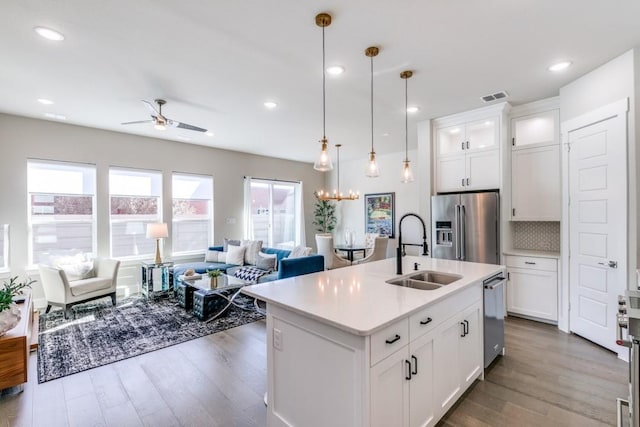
[160, 121]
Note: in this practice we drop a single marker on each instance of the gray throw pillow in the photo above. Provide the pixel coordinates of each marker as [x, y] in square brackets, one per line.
[227, 242]
[266, 262]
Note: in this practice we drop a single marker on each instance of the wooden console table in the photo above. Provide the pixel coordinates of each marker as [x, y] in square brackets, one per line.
[14, 348]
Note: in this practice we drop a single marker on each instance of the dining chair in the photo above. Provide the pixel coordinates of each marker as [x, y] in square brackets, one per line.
[326, 249]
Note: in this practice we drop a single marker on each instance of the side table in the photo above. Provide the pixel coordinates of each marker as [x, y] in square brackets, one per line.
[155, 278]
[14, 348]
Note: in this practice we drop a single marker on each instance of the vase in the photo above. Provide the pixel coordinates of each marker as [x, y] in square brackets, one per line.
[348, 237]
[9, 318]
[214, 282]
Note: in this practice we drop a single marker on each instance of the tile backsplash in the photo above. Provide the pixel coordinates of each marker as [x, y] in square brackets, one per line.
[538, 235]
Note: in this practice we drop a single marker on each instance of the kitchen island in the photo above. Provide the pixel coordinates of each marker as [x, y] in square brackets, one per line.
[345, 348]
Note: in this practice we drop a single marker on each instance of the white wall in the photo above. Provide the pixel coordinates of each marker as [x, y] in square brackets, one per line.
[615, 80]
[407, 196]
[22, 138]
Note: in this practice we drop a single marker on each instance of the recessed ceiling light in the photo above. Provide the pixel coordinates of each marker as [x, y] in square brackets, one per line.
[413, 109]
[49, 34]
[560, 66]
[335, 70]
[55, 116]
[209, 133]
[45, 101]
[488, 123]
[270, 105]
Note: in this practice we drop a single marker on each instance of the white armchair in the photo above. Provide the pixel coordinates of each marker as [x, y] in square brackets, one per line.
[325, 248]
[378, 252]
[62, 292]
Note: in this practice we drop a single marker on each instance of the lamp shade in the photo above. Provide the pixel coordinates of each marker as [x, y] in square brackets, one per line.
[157, 230]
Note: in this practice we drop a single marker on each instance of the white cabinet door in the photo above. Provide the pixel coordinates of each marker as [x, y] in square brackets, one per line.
[447, 363]
[536, 129]
[421, 386]
[533, 293]
[482, 170]
[451, 173]
[450, 140]
[471, 351]
[390, 390]
[535, 180]
[482, 134]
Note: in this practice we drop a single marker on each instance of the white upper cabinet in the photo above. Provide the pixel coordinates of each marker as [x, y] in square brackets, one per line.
[535, 130]
[535, 167]
[468, 152]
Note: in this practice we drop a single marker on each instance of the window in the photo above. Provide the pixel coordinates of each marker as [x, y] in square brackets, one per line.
[273, 212]
[61, 208]
[4, 247]
[192, 213]
[134, 202]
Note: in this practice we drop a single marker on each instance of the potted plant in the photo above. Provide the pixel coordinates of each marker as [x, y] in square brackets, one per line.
[324, 214]
[9, 311]
[213, 276]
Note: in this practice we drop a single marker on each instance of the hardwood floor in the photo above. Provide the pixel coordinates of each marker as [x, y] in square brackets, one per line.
[547, 378]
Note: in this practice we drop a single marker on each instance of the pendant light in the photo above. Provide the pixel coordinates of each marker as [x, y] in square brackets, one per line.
[337, 194]
[323, 163]
[407, 174]
[372, 167]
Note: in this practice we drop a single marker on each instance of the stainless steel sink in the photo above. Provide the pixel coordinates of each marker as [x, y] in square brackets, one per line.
[415, 284]
[435, 277]
[425, 280]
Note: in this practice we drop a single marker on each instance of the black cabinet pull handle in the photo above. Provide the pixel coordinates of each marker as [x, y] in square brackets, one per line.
[466, 327]
[415, 370]
[530, 263]
[464, 333]
[426, 322]
[392, 340]
[408, 366]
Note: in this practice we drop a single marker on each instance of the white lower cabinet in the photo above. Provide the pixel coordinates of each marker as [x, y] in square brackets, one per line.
[532, 287]
[417, 384]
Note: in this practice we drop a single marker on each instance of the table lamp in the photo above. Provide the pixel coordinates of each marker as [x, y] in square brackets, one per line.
[157, 231]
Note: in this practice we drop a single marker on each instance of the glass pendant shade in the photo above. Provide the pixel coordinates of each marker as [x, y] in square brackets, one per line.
[407, 174]
[323, 163]
[372, 168]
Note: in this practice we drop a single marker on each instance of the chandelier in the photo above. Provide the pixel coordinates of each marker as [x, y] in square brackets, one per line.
[337, 194]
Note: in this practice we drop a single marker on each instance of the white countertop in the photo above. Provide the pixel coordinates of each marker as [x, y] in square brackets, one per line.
[529, 252]
[357, 299]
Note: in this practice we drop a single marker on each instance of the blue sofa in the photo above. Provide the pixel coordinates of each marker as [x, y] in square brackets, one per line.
[287, 267]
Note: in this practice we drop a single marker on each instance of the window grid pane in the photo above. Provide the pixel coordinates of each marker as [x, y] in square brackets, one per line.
[192, 213]
[273, 213]
[63, 218]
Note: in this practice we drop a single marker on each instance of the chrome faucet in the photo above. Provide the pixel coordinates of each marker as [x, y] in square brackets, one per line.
[400, 251]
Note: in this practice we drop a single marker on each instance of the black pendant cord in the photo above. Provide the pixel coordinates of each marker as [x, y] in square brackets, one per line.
[372, 104]
[324, 114]
[338, 170]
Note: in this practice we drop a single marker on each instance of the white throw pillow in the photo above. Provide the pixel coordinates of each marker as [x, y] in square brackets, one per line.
[235, 255]
[76, 267]
[299, 251]
[213, 256]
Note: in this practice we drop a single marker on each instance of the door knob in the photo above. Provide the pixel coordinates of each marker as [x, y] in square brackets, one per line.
[610, 264]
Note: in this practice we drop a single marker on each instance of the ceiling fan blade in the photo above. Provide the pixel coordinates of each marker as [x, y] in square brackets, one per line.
[186, 126]
[151, 108]
[136, 122]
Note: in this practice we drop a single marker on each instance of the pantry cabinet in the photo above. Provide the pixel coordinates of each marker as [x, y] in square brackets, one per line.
[535, 168]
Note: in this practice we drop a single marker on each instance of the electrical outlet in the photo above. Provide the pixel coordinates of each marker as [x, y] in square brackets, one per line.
[277, 339]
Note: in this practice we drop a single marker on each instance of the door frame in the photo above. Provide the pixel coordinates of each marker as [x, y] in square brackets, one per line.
[619, 108]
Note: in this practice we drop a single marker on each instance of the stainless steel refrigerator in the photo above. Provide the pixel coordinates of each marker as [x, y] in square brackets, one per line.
[465, 227]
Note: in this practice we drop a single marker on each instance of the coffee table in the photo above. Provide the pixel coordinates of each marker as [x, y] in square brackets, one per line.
[209, 303]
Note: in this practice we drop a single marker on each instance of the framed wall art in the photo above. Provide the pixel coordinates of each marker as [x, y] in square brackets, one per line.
[379, 214]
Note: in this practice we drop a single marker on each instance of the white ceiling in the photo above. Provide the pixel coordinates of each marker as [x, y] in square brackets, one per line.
[216, 63]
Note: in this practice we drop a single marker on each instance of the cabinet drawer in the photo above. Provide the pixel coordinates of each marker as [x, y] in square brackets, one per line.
[533, 263]
[429, 317]
[389, 340]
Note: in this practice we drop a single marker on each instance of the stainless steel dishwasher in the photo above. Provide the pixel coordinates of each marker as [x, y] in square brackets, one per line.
[494, 312]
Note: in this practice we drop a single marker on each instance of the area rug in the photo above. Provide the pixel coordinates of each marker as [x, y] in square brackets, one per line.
[99, 334]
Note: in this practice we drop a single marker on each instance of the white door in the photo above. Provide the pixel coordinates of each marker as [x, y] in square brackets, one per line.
[421, 386]
[451, 173]
[597, 227]
[390, 391]
[483, 170]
